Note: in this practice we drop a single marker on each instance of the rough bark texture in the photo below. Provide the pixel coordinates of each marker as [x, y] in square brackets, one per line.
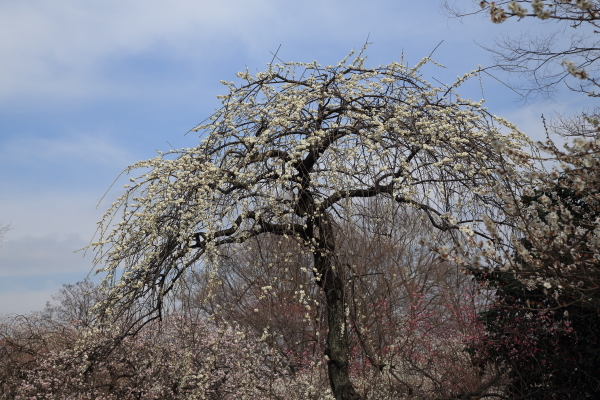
[332, 283]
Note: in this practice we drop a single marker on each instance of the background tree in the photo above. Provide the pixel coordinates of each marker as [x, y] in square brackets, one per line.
[544, 327]
[411, 314]
[545, 59]
[73, 303]
[294, 152]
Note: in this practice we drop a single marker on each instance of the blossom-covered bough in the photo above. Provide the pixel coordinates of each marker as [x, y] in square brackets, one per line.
[548, 57]
[546, 275]
[293, 151]
[557, 249]
[557, 245]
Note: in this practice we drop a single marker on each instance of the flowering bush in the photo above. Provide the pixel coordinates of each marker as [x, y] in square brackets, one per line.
[178, 359]
[546, 322]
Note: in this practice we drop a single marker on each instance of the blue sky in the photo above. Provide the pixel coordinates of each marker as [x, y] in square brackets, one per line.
[89, 87]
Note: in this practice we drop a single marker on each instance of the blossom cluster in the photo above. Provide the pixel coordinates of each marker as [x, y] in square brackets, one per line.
[554, 247]
[540, 9]
[574, 70]
[176, 359]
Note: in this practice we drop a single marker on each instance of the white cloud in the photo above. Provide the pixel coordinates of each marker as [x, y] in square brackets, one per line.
[38, 150]
[60, 49]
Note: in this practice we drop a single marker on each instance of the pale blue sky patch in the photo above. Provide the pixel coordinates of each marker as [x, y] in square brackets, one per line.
[36, 256]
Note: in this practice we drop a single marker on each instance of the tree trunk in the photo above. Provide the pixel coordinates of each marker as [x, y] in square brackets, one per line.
[332, 282]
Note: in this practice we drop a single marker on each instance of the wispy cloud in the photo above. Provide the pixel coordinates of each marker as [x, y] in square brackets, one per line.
[60, 49]
[88, 147]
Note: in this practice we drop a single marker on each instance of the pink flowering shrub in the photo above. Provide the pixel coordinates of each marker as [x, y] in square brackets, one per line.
[426, 352]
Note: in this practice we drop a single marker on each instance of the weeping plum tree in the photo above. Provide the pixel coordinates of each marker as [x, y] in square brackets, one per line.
[294, 151]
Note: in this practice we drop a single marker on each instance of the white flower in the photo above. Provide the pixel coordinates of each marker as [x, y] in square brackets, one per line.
[583, 4]
[573, 70]
[517, 9]
[538, 6]
[444, 250]
[579, 183]
[452, 220]
[466, 229]
[544, 14]
[497, 14]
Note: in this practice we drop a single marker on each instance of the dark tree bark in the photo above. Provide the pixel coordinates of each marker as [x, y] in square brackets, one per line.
[331, 280]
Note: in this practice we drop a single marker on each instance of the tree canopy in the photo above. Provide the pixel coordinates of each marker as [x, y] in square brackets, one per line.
[293, 151]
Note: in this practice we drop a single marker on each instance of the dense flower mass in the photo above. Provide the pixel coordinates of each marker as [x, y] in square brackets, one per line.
[179, 359]
[187, 358]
